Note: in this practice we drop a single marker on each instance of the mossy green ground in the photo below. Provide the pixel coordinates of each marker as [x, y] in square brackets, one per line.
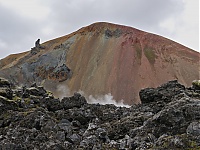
[150, 54]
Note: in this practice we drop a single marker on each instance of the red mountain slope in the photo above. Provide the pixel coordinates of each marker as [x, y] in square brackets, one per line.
[104, 58]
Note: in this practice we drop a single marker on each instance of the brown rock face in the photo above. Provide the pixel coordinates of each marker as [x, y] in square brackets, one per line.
[104, 58]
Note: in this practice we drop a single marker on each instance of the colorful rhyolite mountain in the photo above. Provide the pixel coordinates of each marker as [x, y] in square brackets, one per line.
[104, 58]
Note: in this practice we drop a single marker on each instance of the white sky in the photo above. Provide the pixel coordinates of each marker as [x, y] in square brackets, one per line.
[24, 21]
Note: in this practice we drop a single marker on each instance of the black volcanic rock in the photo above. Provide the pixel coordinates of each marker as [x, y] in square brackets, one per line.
[75, 101]
[168, 118]
[4, 83]
[164, 93]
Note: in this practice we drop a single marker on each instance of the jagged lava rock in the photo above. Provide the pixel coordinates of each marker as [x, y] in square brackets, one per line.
[38, 120]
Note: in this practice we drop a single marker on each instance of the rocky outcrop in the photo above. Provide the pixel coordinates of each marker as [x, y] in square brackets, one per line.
[32, 118]
[37, 47]
[112, 58]
[37, 43]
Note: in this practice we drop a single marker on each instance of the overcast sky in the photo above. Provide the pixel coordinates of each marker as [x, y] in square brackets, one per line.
[22, 22]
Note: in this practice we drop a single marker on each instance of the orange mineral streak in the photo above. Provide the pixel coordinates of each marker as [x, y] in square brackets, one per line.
[108, 58]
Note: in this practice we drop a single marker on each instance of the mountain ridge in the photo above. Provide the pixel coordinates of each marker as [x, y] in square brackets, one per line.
[112, 58]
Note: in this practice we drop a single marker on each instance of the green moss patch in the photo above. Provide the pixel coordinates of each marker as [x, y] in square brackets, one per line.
[150, 54]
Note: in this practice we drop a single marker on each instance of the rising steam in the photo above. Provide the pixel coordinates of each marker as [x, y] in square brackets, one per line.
[106, 99]
[64, 91]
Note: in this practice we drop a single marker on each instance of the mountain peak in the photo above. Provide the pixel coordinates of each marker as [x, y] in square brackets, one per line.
[102, 26]
[104, 59]
[106, 25]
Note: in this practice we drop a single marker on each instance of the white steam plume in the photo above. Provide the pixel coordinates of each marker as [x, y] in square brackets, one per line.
[63, 90]
[106, 99]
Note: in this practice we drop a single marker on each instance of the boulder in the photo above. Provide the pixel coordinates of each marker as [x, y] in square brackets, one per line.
[6, 92]
[163, 93]
[75, 101]
[4, 82]
[51, 104]
[6, 104]
[194, 128]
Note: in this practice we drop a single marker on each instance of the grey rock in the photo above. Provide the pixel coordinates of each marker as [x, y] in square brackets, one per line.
[88, 142]
[194, 128]
[4, 83]
[75, 138]
[6, 92]
[6, 104]
[75, 101]
[60, 135]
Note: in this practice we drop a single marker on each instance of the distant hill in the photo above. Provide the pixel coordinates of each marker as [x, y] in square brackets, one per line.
[103, 58]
